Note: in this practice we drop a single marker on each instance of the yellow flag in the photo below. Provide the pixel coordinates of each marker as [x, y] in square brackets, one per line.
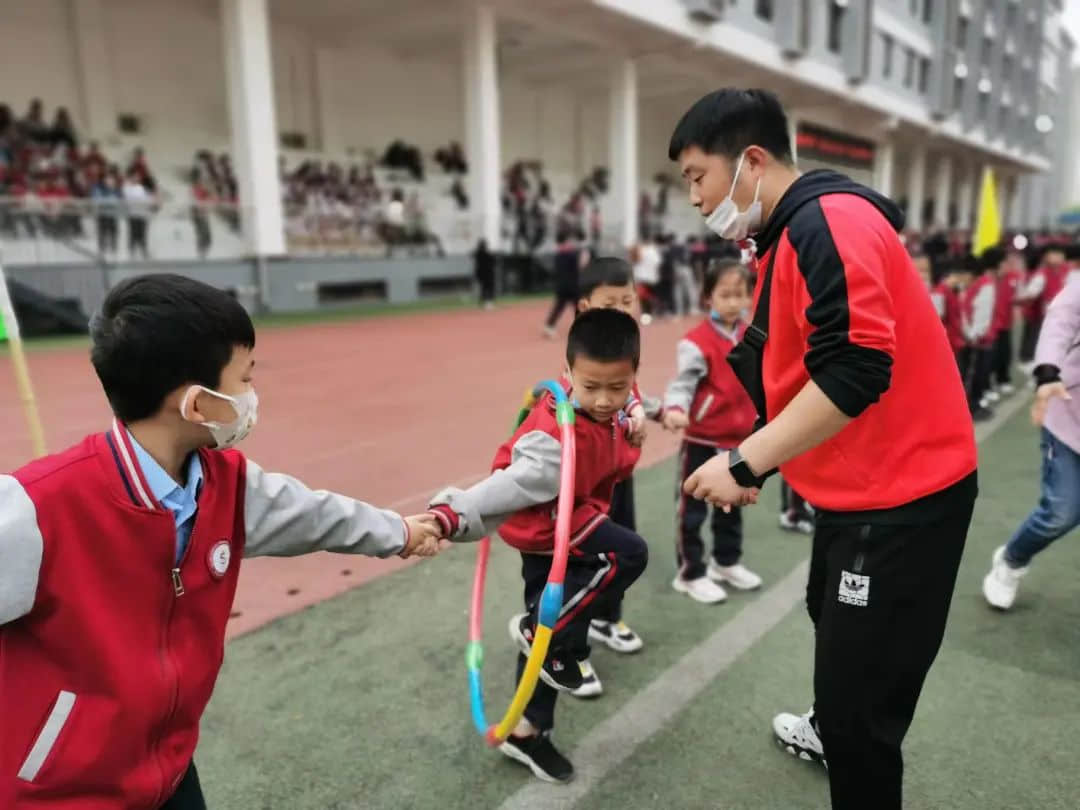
[988, 224]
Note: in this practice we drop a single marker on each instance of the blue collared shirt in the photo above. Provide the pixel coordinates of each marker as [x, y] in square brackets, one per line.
[182, 501]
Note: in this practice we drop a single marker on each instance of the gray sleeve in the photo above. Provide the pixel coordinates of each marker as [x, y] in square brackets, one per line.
[283, 518]
[982, 313]
[532, 478]
[21, 547]
[691, 366]
[939, 303]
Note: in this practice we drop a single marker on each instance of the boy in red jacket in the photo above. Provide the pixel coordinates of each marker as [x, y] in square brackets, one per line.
[946, 297]
[119, 557]
[519, 499]
[1010, 281]
[707, 402]
[978, 302]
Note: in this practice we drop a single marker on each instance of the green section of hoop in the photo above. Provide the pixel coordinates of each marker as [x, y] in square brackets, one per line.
[474, 655]
[564, 413]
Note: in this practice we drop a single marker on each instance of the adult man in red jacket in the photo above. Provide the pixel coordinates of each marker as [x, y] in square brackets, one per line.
[844, 354]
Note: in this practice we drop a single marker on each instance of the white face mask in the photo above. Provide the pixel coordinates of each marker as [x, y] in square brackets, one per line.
[228, 434]
[727, 221]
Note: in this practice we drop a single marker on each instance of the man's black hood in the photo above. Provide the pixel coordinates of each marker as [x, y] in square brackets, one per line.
[809, 187]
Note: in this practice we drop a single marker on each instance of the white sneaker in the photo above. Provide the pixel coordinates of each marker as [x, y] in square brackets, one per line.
[797, 735]
[549, 332]
[702, 590]
[590, 682]
[790, 524]
[617, 635]
[992, 397]
[1007, 389]
[738, 576]
[1001, 584]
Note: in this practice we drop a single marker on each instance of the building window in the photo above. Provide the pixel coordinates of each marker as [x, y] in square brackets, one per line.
[886, 55]
[928, 11]
[914, 8]
[984, 107]
[958, 93]
[961, 32]
[763, 9]
[837, 9]
[924, 74]
[909, 67]
[1006, 67]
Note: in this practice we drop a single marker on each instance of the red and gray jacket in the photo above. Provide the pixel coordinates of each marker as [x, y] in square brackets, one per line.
[110, 648]
[705, 388]
[978, 304]
[849, 311]
[519, 498]
[949, 309]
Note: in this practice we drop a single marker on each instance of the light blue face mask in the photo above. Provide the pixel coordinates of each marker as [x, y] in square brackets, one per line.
[716, 317]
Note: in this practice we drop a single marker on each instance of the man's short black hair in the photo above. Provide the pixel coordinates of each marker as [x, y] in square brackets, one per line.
[728, 120]
[717, 269]
[604, 271]
[604, 335]
[156, 332]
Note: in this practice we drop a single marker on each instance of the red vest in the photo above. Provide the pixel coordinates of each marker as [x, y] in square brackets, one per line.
[953, 319]
[722, 413]
[110, 626]
[1004, 299]
[603, 458]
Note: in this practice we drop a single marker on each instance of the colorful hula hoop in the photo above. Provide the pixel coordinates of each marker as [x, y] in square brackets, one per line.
[551, 599]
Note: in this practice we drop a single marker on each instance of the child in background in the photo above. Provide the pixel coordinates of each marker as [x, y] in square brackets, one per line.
[709, 404]
[1041, 288]
[519, 500]
[608, 283]
[978, 303]
[946, 297]
[1010, 279]
[120, 556]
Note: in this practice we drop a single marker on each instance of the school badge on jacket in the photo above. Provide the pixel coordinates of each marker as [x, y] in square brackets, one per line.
[219, 558]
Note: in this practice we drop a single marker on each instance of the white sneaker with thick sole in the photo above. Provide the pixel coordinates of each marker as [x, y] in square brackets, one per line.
[617, 635]
[802, 525]
[590, 682]
[992, 396]
[702, 590]
[797, 735]
[1007, 389]
[1003, 581]
[738, 576]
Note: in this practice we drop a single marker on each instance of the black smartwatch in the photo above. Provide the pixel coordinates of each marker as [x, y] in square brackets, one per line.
[741, 472]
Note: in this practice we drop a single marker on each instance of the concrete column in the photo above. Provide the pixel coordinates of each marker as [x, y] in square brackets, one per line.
[246, 26]
[884, 167]
[97, 103]
[623, 133]
[916, 188]
[482, 123]
[965, 196]
[943, 192]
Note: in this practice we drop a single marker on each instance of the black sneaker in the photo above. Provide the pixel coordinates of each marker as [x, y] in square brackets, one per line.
[559, 671]
[540, 756]
[982, 414]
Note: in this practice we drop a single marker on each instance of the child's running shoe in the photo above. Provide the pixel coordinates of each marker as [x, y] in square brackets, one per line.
[559, 671]
[738, 576]
[798, 736]
[540, 756]
[616, 635]
[590, 681]
[702, 589]
[790, 522]
[1006, 389]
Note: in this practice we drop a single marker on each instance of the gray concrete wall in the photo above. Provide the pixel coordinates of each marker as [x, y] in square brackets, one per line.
[287, 285]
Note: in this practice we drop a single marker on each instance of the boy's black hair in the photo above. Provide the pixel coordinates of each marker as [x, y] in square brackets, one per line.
[604, 335]
[728, 120]
[717, 269]
[604, 271]
[991, 258]
[154, 333]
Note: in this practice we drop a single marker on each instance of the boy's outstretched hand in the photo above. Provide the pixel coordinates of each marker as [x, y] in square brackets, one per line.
[675, 420]
[636, 428]
[425, 532]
